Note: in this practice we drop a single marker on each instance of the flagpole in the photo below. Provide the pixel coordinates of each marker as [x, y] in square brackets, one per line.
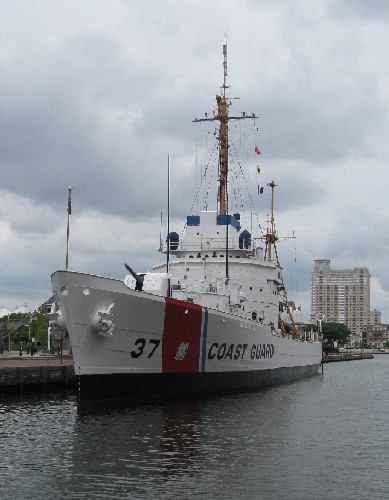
[160, 234]
[68, 226]
[168, 214]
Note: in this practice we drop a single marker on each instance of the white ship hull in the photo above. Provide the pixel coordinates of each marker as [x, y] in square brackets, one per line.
[152, 346]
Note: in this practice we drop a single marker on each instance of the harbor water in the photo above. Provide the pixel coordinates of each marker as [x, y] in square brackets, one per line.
[325, 437]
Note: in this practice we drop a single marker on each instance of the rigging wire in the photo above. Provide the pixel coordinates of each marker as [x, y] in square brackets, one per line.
[236, 171]
[203, 178]
[247, 188]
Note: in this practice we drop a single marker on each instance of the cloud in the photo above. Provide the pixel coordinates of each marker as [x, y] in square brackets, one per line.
[96, 97]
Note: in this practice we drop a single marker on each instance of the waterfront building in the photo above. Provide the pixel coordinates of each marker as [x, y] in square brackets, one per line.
[375, 335]
[374, 317]
[342, 296]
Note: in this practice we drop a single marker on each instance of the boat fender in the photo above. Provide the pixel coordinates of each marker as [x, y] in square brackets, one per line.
[101, 321]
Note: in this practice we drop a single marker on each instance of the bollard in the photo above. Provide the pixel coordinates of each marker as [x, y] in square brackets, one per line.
[20, 348]
[32, 348]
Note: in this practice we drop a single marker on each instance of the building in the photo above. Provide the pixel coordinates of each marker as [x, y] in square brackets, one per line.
[342, 296]
[375, 335]
[375, 317]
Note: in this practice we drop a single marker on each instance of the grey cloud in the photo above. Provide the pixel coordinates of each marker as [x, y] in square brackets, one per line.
[96, 97]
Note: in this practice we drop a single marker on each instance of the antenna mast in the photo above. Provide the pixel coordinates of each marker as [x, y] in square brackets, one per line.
[222, 115]
[69, 210]
[271, 235]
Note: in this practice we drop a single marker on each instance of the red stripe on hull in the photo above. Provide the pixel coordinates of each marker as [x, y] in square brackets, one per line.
[181, 337]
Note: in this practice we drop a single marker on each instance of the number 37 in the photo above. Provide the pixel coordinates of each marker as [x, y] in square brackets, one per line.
[141, 343]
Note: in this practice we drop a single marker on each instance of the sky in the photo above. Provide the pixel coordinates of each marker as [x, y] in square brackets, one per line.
[96, 94]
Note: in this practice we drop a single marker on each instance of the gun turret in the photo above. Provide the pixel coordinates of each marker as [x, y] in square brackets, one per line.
[137, 278]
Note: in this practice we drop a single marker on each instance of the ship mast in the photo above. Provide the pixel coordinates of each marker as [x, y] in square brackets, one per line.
[271, 238]
[222, 116]
[271, 235]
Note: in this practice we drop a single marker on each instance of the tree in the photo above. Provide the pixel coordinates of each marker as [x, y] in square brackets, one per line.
[40, 327]
[20, 333]
[36, 327]
[335, 332]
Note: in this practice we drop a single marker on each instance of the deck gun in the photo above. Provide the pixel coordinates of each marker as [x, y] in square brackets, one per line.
[137, 278]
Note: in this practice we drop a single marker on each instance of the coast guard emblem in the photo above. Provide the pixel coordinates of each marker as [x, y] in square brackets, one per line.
[181, 351]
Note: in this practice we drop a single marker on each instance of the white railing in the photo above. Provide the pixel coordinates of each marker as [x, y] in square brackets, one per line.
[203, 244]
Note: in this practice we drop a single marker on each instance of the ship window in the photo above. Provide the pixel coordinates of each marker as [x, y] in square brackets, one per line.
[251, 287]
[221, 255]
[207, 256]
[260, 289]
[198, 255]
[254, 315]
[191, 256]
[238, 256]
[214, 254]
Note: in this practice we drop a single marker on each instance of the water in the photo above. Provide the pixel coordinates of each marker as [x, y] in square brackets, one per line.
[321, 438]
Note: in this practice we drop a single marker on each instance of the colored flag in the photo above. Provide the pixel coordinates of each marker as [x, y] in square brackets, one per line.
[257, 150]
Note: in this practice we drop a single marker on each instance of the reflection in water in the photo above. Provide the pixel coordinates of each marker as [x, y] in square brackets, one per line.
[297, 441]
[135, 447]
[180, 438]
[159, 449]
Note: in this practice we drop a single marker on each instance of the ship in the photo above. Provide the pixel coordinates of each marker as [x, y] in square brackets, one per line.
[211, 318]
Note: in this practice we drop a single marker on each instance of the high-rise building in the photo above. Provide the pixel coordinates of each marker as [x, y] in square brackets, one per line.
[341, 296]
[374, 318]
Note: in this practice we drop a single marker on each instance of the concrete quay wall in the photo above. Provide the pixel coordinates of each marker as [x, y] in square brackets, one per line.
[331, 358]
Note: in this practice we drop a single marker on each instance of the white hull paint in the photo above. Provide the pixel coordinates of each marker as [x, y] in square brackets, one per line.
[143, 342]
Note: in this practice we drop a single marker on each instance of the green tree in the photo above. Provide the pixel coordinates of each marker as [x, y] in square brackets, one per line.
[36, 327]
[334, 332]
[20, 333]
[39, 327]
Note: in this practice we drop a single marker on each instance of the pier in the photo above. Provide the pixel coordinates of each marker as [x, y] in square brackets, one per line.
[25, 372]
[331, 358]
